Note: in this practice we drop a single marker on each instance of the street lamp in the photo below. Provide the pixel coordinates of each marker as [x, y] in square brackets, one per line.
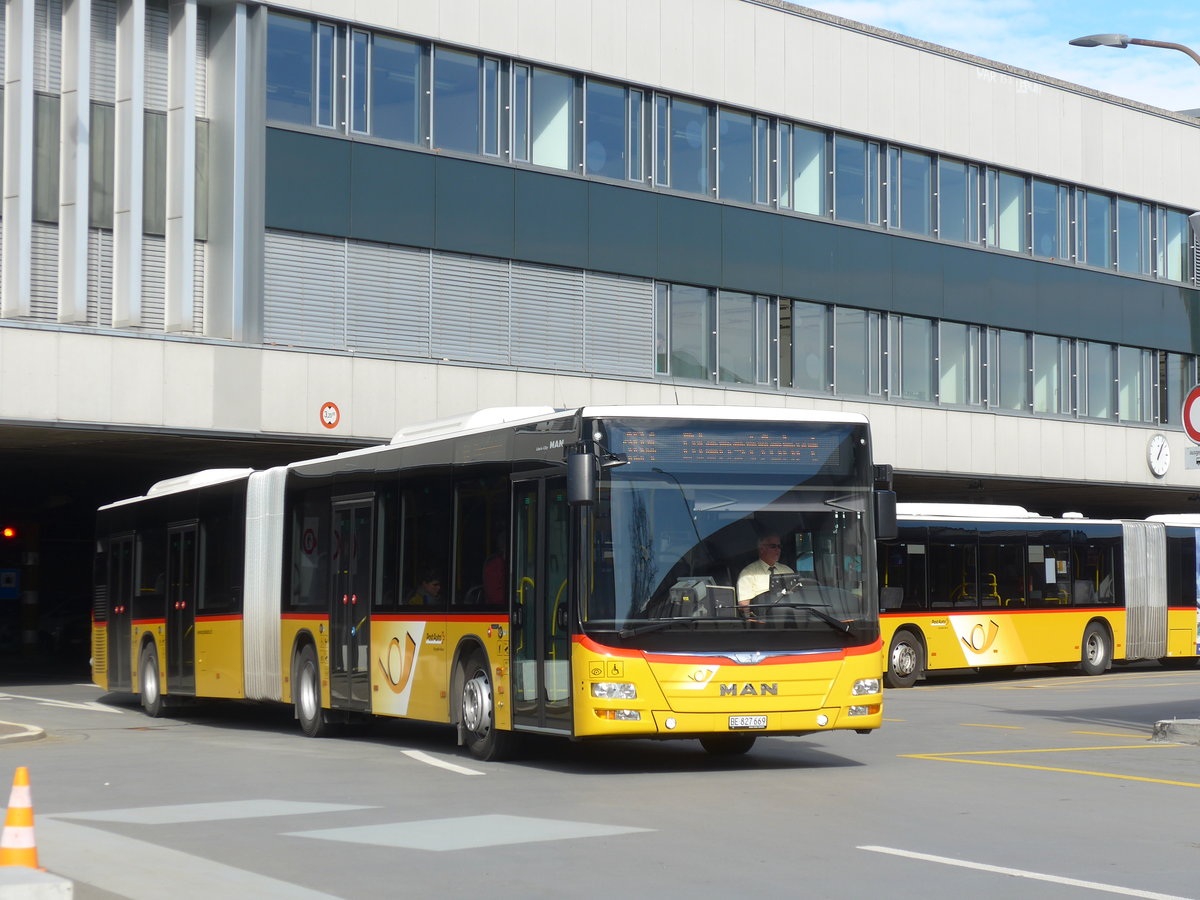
[1121, 41]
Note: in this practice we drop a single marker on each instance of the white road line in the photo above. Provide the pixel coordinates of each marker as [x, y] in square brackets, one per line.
[140, 870]
[1021, 873]
[66, 704]
[440, 763]
[30, 731]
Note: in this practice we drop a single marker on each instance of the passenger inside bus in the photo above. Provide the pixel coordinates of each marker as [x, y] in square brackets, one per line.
[429, 590]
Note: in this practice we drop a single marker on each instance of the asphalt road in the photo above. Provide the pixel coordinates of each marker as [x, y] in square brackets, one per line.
[1037, 784]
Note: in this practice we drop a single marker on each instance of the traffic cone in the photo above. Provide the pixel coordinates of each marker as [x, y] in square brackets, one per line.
[17, 846]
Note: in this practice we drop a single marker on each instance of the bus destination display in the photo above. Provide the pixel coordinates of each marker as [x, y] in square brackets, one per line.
[804, 450]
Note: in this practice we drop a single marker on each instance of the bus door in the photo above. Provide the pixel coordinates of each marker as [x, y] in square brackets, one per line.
[120, 614]
[182, 544]
[541, 622]
[349, 616]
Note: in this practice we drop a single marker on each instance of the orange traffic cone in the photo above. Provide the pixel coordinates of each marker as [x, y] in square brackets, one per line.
[17, 847]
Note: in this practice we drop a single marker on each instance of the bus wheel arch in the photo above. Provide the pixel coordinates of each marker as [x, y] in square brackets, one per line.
[1096, 648]
[306, 690]
[150, 679]
[905, 658]
[476, 706]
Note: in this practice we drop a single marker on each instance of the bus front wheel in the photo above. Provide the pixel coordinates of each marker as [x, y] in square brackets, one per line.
[152, 697]
[1096, 651]
[306, 686]
[727, 744]
[478, 714]
[906, 660]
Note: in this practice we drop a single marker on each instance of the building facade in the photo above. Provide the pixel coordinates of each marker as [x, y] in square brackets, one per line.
[311, 223]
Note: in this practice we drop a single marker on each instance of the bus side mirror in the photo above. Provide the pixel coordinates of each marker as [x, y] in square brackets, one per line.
[885, 516]
[581, 479]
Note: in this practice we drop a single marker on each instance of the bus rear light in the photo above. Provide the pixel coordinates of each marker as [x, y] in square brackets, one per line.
[619, 715]
[872, 710]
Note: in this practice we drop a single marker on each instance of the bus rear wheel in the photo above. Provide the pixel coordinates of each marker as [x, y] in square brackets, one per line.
[306, 688]
[478, 714]
[152, 697]
[1096, 650]
[727, 744]
[906, 660]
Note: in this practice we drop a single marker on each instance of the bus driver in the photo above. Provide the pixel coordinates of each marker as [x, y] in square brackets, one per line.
[755, 579]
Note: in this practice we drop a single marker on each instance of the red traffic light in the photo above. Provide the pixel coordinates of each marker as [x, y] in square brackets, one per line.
[8, 532]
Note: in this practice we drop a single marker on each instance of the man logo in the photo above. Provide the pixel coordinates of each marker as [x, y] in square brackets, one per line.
[748, 690]
[397, 663]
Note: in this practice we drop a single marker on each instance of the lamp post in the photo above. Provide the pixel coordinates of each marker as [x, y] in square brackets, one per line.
[1121, 41]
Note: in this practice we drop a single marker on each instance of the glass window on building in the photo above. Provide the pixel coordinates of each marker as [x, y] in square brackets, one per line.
[360, 94]
[291, 74]
[1051, 375]
[744, 338]
[1172, 244]
[910, 352]
[810, 346]
[856, 352]
[1006, 210]
[910, 190]
[802, 169]
[855, 180]
[1093, 228]
[958, 201]
[735, 156]
[46, 127]
[1135, 385]
[457, 100]
[396, 90]
[491, 107]
[102, 166]
[683, 331]
[1134, 227]
[1008, 369]
[551, 118]
[960, 364]
[1176, 376]
[1051, 220]
[1095, 366]
[682, 134]
[762, 160]
[605, 141]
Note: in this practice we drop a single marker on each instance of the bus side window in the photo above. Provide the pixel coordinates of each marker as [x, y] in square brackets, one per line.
[425, 540]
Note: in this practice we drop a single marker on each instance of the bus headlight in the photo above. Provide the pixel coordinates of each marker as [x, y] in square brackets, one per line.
[863, 710]
[614, 690]
[865, 686]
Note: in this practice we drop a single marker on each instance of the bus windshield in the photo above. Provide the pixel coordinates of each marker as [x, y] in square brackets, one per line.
[681, 522]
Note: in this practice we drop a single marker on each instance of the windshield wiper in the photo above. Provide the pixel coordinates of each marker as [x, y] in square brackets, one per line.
[825, 617]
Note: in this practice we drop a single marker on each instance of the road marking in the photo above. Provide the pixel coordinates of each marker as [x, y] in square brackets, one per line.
[208, 812]
[1120, 734]
[66, 704]
[466, 832]
[29, 731]
[957, 757]
[440, 763]
[1022, 873]
[140, 870]
[980, 725]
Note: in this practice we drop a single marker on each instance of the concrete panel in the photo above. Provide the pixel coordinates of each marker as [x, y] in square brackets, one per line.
[1056, 455]
[854, 88]
[572, 38]
[329, 380]
[498, 388]
[609, 46]
[642, 42]
[535, 29]
[237, 387]
[641, 392]
[458, 21]
[283, 402]
[769, 60]
[188, 371]
[84, 391]
[1030, 450]
[373, 398]
[1074, 139]
[936, 449]
[535, 389]
[676, 21]
[457, 390]
[384, 13]
[798, 74]
[981, 89]
[137, 382]
[416, 392]
[29, 363]
[909, 440]
[739, 61]
[710, 56]
[935, 115]
[570, 390]
[1094, 448]
[1049, 144]
[826, 54]
[982, 451]
[956, 104]
[606, 391]
[498, 27]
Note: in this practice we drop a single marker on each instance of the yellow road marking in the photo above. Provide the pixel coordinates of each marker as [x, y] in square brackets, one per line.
[957, 757]
[980, 725]
[1120, 734]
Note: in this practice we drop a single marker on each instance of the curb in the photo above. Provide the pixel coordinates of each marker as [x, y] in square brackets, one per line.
[1179, 731]
[13, 732]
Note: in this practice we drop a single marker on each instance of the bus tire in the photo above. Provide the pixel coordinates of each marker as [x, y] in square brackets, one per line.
[1095, 652]
[906, 660]
[727, 744]
[478, 713]
[306, 687]
[151, 683]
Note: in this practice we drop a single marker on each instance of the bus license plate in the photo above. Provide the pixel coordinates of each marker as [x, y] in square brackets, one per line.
[744, 722]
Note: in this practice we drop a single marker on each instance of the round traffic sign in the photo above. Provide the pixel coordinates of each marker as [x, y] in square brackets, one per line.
[1191, 414]
[330, 415]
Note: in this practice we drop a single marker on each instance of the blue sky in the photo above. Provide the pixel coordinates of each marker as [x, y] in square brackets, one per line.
[1033, 34]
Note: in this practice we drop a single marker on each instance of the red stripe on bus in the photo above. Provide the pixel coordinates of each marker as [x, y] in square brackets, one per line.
[149, 621]
[588, 643]
[440, 617]
[997, 611]
[233, 617]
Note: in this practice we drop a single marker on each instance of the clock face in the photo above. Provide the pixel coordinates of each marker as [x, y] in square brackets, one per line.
[1158, 455]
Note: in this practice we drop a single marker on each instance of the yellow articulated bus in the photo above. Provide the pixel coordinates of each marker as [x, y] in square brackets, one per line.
[972, 586]
[567, 572]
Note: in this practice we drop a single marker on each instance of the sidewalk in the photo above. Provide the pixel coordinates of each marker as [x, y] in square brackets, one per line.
[12, 732]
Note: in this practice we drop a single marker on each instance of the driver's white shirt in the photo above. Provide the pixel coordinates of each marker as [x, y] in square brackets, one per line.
[755, 579]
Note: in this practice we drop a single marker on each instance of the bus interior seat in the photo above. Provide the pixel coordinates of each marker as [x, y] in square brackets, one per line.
[891, 597]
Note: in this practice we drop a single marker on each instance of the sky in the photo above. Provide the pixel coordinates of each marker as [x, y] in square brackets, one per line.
[1034, 35]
